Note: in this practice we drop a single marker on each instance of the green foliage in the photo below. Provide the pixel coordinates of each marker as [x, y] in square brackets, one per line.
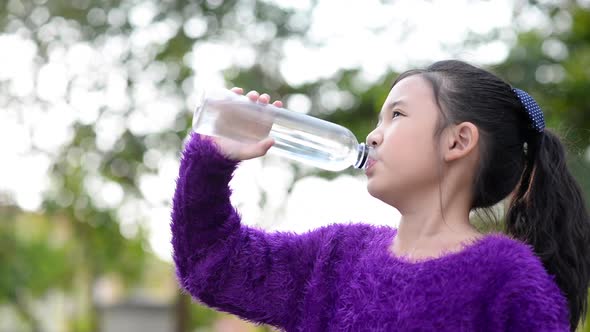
[30, 263]
[554, 69]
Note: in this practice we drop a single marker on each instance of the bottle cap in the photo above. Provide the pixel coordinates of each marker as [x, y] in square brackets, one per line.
[363, 156]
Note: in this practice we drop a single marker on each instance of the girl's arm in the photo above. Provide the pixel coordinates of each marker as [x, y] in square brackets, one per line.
[259, 276]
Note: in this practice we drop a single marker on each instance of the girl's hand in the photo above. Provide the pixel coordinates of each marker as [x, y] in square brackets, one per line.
[242, 151]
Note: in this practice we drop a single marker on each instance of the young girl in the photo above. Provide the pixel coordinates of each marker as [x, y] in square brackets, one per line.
[451, 138]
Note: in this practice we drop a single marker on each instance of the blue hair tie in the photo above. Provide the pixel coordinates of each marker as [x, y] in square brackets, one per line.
[533, 110]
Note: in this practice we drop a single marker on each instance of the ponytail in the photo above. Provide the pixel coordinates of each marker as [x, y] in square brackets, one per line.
[548, 212]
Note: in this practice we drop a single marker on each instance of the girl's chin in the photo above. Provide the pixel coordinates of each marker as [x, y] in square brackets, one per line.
[374, 189]
[382, 191]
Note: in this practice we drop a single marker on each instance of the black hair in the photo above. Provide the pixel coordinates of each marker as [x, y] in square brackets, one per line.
[547, 208]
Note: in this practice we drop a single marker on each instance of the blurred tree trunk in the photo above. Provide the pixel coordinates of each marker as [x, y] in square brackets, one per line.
[182, 312]
[24, 311]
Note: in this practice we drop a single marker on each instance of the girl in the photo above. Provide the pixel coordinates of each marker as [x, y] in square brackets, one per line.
[451, 138]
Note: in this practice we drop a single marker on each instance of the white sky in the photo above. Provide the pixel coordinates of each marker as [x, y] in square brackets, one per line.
[364, 34]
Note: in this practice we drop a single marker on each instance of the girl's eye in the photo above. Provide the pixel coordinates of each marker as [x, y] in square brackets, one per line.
[396, 112]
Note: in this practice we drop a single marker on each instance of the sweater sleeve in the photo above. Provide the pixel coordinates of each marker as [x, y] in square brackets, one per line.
[529, 299]
[256, 275]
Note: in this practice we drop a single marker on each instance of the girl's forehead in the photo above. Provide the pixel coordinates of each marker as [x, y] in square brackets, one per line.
[414, 95]
[412, 89]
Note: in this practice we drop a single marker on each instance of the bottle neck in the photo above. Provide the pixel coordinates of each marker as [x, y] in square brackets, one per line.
[362, 157]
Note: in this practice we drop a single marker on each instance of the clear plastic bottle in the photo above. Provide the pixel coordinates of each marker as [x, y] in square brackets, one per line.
[297, 136]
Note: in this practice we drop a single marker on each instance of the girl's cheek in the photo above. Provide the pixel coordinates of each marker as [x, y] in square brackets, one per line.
[389, 135]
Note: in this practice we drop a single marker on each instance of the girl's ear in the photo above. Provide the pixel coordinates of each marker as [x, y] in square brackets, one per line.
[461, 140]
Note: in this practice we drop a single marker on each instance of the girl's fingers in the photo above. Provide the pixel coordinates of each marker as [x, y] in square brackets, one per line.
[264, 98]
[253, 95]
[237, 90]
[256, 97]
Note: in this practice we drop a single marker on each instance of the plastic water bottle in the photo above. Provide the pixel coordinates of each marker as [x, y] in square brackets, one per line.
[297, 136]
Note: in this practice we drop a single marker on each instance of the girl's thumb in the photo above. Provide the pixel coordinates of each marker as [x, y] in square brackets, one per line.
[266, 144]
[257, 150]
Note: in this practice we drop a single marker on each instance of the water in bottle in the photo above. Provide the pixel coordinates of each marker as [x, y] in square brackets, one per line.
[297, 136]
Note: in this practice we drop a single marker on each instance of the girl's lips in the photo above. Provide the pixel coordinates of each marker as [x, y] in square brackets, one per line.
[370, 164]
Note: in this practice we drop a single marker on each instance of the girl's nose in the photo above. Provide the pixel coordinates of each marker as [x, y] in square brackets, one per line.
[373, 139]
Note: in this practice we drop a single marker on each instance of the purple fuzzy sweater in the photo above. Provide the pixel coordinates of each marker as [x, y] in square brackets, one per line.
[342, 277]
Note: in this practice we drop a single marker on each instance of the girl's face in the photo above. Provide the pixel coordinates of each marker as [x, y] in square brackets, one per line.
[406, 160]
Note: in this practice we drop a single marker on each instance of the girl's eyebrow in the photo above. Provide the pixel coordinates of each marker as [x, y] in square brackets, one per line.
[389, 106]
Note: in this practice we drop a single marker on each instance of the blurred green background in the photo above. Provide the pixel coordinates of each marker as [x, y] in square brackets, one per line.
[97, 97]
